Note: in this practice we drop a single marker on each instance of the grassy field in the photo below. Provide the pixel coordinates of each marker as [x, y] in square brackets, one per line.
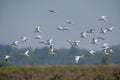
[64, 72]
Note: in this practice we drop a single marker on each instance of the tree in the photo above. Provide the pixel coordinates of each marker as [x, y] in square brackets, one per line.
[106, 60]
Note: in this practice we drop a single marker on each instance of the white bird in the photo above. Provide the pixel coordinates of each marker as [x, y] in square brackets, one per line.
[63, 28]
[7, 57]
[105, 46]
[52, 11]
[24, 39]
[103, 31]
[107, 51]
[48, 42]
[51, 50]
[78, 57]
[69, 22]
[26, 53]
[38, 37]
[91, 31]
[15, 43]
[94, 41]
[37, 30]
[103, 18]
[70, 42]
[110, 29]
[83, 34]
[74, 43]
[92, 52]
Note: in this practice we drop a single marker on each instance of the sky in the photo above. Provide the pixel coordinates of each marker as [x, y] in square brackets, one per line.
[20, 17]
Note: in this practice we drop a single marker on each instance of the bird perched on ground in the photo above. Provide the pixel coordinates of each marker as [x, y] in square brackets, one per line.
[78, 57]
[15, 43]
[24, 39]
[7, 58]
[103, 18]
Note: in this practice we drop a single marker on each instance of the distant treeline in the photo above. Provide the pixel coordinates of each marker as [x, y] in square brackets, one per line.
[40, 56]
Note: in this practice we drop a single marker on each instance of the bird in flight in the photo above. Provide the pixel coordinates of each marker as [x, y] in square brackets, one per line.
[15, 43]
[103, 18]
[52, 11]
[78, 57]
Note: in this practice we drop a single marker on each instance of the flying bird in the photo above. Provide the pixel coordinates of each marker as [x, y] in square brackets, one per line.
[103, 18]
[83, 35]
[91, 31]
[74, 43]
[48, 42]
[69, 21]
[92, 52]
[78, 57]
[51, 50]
[37, 30]
[15, 43]
[103, 31]
[52, 11]
[94, 41]
[38, 37]
[7, 58]
[110, 29]
[24, 39]
[63, 28]
[26, 53]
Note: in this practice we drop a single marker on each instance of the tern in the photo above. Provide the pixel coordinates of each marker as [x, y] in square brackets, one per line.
[63, 28]
[103, 31]
[83, 34]
[14, 43]
[24, 39]
[37, 30]
[26, 53]
[7, 58]
[103, 18]
[69, 22]
[74, 43]
[38, 37]
[51, 50]
[52, 11]
[78, 57]
[110, 29]
[92, 52]
[94, 41]
[48, 42]
[91, 31]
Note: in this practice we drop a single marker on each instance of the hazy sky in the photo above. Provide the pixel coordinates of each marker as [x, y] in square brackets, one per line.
[20, 17]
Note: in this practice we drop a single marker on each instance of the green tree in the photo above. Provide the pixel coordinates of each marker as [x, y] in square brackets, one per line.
[106, 60]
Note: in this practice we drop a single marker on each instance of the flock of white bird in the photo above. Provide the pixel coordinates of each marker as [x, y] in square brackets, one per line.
[105, 48]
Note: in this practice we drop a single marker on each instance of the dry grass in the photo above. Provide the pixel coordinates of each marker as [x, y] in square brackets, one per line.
[88, 72]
